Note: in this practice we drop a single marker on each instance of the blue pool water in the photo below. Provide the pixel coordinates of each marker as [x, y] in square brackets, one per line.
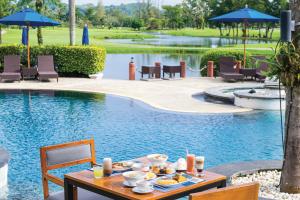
[123, 129]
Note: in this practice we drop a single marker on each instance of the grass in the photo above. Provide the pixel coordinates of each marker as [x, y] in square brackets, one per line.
[60, 36]
[211, 32]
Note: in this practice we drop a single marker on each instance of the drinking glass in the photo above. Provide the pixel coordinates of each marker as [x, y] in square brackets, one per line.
[98, 171]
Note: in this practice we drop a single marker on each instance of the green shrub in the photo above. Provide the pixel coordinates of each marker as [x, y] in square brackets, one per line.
[69, 60]
[215, 54]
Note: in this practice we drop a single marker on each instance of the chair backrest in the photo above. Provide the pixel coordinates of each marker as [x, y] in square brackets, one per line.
[45, 63]
[12, 63]
[259, 62]
[64, 155]
[227, 64]
[240, 192]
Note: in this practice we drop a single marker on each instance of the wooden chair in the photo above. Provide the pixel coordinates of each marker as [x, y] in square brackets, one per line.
[66, 155]
[240, 192]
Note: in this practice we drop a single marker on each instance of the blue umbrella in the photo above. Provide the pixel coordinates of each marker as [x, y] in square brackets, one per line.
[24, 36]
[28, 17]
[85, 35]
[245, 15]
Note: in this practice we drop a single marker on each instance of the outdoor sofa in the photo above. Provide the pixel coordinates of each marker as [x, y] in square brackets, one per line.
[46, 68]
[11, 71]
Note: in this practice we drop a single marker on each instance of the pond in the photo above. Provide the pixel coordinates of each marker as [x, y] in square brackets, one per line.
[116, 66]
[170, 40]
[123, 129]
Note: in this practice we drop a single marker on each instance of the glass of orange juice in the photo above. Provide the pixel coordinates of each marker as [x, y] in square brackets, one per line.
[98, 171]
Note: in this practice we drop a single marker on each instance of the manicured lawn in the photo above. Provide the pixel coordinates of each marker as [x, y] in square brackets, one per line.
[60, 36]
[212, 32]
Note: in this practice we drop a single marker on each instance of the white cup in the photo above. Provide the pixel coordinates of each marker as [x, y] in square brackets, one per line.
[143, 185]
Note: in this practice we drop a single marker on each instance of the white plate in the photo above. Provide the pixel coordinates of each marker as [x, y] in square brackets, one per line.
[142, 191]
[127, 184]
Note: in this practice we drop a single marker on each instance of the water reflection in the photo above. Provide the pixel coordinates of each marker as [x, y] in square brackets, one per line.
[169, 40]
[116, 66]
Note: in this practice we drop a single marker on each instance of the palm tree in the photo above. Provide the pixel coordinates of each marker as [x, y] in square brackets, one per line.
[289, 72]
[72, 17]
[39, 8]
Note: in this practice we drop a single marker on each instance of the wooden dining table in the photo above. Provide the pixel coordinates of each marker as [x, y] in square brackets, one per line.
[113, 187]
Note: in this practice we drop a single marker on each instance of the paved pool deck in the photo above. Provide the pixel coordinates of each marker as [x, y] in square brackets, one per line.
[170, 95]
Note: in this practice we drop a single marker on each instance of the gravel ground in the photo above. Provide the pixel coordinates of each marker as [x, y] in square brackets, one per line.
[269, 185]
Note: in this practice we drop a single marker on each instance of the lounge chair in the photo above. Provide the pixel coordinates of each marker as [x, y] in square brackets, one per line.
[67, 155]
[12, 71]
[240, 192]
[46, 68]
[263, 67]
[227, 69]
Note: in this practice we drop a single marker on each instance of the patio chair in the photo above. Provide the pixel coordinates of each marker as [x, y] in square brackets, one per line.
[171, 70]
[262, 67]
[67, 155]
[46, 68]
[12, 71]
[240, 192]
[227, 70]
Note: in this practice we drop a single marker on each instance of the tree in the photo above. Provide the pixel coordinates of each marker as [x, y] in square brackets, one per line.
[136, 24]
[289, 73]
[5, 7]
[196, 12]
[39, 8]
[100, 13]
[173, 15]
[72, 21]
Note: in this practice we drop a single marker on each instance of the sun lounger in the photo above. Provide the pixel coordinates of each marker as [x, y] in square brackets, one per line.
[240, 192]
[227, 69]
[11, 70]
[67, 155]
[46, 68]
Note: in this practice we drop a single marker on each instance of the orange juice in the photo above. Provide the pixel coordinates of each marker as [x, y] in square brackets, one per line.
[190, 160]
[98, 172]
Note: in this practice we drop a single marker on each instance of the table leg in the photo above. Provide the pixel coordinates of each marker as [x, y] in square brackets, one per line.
[69, 191]
[222, 184]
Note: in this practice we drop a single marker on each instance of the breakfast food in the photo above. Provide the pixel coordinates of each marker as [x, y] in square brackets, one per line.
[150, 176]
[157, 158]
[166, 182]
[176, 179]
[119, 166]
[162, 170]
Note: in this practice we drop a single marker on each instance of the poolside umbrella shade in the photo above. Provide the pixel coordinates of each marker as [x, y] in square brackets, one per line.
[245, 15]
[29, 18]
[24, 35]
[85, 36]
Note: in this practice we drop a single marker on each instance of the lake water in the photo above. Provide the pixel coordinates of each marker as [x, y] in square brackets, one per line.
[169, 40]
[116, 66]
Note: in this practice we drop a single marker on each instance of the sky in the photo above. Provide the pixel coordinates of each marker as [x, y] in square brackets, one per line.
[118, 2]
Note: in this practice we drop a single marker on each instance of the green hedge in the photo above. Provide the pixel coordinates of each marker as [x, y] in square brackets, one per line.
[215, 54]
[69, 60]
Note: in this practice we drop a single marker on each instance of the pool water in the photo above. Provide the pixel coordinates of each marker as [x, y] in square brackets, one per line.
[123, 129]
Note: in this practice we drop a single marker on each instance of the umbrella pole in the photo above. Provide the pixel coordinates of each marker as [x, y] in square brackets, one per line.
[245, 43]
[28, 48]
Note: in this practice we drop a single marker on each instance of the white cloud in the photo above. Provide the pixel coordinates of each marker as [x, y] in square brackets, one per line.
[118, 2]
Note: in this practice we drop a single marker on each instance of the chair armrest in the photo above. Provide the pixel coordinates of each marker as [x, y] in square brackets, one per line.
[54, 179]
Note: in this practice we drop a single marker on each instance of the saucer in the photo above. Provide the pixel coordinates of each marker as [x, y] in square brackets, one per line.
[142, 190]
[128, 184]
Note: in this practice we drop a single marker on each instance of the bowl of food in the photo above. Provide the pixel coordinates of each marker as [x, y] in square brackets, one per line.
[133, 176]
[156, 159]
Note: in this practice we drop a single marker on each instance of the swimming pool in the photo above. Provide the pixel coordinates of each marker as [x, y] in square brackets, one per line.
[123, 128]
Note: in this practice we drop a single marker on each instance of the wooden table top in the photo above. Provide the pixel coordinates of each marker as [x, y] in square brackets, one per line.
[114, 185]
